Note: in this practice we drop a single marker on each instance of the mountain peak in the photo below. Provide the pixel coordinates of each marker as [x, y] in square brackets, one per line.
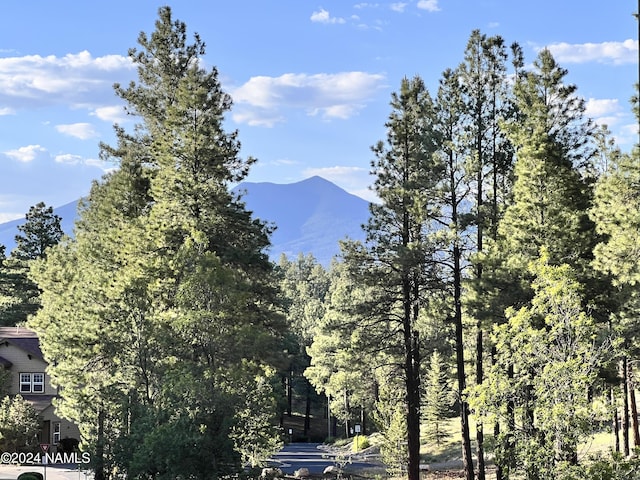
[311, 217]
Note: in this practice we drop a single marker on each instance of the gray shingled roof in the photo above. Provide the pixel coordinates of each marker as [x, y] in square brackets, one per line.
[23, 338]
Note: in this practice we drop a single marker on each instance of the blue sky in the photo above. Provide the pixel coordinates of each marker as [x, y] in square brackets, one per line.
[311, 79]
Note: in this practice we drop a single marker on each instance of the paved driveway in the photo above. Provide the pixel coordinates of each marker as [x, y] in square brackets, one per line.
[314, 457]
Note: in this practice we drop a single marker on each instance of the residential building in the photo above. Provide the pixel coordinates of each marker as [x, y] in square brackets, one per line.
[20, 354]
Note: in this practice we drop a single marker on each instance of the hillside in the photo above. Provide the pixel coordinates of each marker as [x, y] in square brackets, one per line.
[311, 216]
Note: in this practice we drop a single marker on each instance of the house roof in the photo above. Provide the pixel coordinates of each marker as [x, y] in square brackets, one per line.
[39, 402]
[23, 338]
[5, 363]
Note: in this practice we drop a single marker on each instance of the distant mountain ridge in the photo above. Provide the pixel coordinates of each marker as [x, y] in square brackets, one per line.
[311, 216]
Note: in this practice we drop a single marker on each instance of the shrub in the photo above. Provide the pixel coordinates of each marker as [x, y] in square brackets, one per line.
[30, 476]
[360, 442]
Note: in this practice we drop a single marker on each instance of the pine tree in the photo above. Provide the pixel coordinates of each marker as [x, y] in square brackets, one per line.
[167, 282]
[437, 399]
[550, 198]
[397, 259]
[19, 295]
[617, 218]
[343, 365]
[304, 284]
[557, 352]
[40, 231]
[452, 190]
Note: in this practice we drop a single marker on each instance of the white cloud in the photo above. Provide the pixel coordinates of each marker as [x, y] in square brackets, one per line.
[599, 107]
[284, 161]
[255, 118]
[102, 165]
[68, 159]
[616, 53]
[398, 7]
[8, 216]
[112, 114]
[83, 131]
[339, 95]
[429, 5]
[71, 159]
[323, 16]
[25, 154]
[71, 80]
[7, 111]
[365, 5]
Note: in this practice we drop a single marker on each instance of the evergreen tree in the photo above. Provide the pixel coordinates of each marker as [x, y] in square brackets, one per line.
[617, 218]
[397, 260]
[41, 231]
[485, 96]
[551, 196]
[343, 366]
[167, 282]
[437, 399]
[304, 284]
[451, 195]
[19, 295]
[555, 347]
[19, 425]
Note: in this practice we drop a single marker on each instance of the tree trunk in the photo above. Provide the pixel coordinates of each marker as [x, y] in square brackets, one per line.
[99, 460]
[496, 425]
[467, 460]
[634, 408]
[616, 426]
[479, 426]
[625, 411]
[307, 410]
[347, 419]
[509, 444]
[288, 381]
[412, 381]
[480, 247]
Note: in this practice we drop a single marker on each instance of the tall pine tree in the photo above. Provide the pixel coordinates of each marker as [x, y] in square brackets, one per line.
[166, 297]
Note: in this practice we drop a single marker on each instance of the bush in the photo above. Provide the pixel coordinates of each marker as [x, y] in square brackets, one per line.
[30, 476]
[360, 442]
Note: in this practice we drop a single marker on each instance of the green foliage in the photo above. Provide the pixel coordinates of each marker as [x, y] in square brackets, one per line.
[19, 295]
[254, 433]
[393, 447]
[166, 290]
[616, 467]
[438, 399]
[555, 346]
[341, 366]
[360, 442]
[19, 425]
[5, 382]
[41, 231]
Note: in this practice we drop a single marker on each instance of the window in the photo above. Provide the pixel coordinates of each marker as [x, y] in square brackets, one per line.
[56, 432]
[32, 383]
[25, 383]
[37, 382]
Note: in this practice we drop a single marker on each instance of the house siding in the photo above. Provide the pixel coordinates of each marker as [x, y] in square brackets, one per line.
[19, 346]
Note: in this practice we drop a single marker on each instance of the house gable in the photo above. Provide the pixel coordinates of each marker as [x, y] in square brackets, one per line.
[20, 355]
